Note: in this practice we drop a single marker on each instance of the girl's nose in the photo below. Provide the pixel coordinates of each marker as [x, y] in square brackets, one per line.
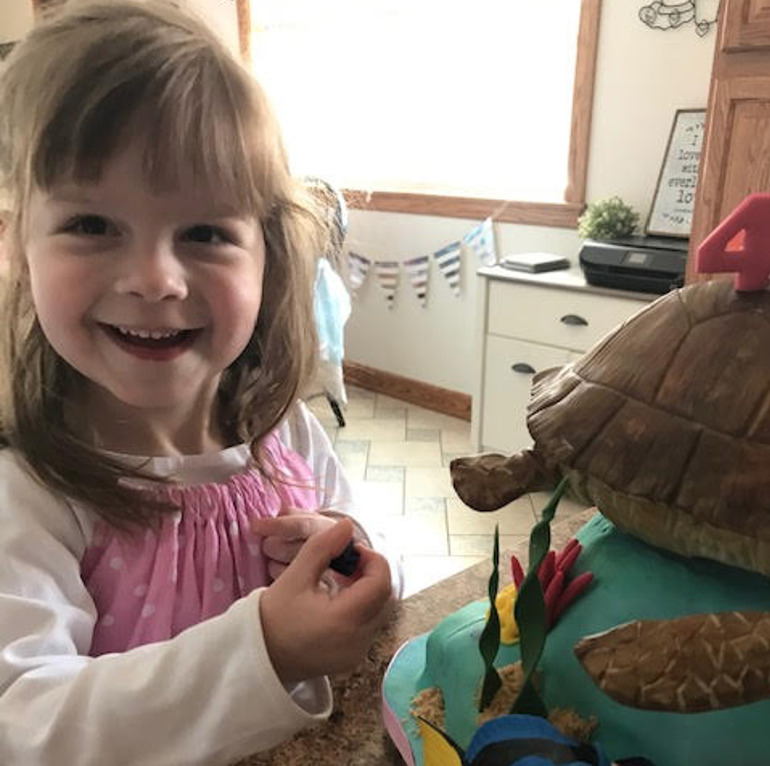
[153, 272]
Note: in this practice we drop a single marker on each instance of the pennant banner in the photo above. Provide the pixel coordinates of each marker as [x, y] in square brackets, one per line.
[448, 259]
[481, 240]
[387, 274]
[417, 269]
[358, 266]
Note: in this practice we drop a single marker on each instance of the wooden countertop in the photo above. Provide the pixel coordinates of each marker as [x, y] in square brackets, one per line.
[355, 735]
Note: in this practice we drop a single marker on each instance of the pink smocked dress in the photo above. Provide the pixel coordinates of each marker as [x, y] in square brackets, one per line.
[152, 586]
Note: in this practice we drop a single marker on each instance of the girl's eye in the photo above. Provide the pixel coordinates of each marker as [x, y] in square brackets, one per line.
[90, 226]
[205, 234]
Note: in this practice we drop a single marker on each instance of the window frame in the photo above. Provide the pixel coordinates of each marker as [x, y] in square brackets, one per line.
[559, 214]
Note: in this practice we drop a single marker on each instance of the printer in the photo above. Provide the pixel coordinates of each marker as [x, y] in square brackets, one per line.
[644, 264]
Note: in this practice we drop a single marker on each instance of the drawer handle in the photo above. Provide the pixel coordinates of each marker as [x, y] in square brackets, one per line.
[523, 367]
[573, 319]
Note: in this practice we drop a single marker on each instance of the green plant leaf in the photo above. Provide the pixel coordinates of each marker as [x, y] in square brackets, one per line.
[529, 610]
[489, 641]
[608, 219]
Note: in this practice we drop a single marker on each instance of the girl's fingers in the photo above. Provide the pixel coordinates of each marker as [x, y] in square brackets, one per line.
[296, 525]
[313, 557]
[366, 597]
[290, 527]
[275, 569]
[281, 549]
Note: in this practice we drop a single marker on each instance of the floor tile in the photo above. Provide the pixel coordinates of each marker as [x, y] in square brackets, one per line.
[428, 482]
[419, 532]
[513, 519]
[567, 506]
[385, 473]
[360, 404]
[414, 504]
[374, 429]
[422, 571]
[379, 498]
[419, 417]
[422, 454]
[457, 442]
[390, 404]
[388, 414]
[482, 545]
[423, 435]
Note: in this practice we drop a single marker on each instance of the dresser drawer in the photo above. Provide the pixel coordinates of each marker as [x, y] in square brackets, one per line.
[564, 318]
[507, 387]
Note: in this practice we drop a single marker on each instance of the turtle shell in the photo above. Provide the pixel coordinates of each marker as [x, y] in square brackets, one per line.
[665, 424]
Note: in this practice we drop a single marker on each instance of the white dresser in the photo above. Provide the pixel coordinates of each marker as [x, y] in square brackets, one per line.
[526, 323]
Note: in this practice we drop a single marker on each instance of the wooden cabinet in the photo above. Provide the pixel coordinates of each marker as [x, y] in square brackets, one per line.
[745, 25]
[526, 324]
[736, 153]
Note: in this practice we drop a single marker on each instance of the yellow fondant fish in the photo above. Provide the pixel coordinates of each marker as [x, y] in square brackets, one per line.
[509, 630]
[438, 748]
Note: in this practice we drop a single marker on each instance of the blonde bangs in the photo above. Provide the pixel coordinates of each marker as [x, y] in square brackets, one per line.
[227, 148]
[200, 125]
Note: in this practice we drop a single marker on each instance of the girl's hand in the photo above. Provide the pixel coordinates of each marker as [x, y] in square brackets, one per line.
[283, 536]
[311, 631]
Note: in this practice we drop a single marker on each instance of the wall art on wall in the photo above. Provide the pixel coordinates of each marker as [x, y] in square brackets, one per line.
[672, 14]
[672, 206]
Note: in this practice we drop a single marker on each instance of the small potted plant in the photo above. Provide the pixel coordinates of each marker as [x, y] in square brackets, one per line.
[608, 219]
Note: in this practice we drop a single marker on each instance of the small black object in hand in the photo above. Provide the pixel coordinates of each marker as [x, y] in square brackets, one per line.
[347, 561]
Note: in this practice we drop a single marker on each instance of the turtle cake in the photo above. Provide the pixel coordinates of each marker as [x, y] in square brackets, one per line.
[664, 427]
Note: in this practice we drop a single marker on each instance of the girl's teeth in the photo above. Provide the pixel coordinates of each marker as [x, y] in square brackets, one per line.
[153, 334]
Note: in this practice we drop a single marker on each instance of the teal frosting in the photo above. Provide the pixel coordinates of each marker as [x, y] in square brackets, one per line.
[632, 581]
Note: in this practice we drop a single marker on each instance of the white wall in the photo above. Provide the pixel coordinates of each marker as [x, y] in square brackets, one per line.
[643, 76]
[222, 16]
[15, 19]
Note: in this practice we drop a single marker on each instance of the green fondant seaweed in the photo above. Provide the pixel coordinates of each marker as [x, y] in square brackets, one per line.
[529, 610]
[489, 641]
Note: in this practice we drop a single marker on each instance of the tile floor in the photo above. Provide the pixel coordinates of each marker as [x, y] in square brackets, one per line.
[397, 456]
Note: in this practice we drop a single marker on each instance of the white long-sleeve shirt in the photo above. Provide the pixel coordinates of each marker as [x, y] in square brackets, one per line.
[207, 696]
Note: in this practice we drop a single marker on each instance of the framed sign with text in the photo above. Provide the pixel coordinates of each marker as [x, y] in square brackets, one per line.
[672, 205]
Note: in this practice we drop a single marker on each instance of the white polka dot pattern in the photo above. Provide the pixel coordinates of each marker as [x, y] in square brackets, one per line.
[152, 586]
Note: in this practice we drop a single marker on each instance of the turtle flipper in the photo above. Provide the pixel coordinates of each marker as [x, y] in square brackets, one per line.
[686, 665]
[490, 481]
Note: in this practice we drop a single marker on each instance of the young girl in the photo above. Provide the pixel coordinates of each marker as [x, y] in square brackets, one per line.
[156, 471]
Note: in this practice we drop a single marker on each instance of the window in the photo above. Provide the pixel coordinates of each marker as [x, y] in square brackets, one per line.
[428, 106]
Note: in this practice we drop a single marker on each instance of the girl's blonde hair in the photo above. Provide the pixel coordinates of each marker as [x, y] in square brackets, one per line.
[83, 83]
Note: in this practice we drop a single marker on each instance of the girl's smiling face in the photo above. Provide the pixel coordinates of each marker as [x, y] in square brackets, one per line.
[149, 295]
